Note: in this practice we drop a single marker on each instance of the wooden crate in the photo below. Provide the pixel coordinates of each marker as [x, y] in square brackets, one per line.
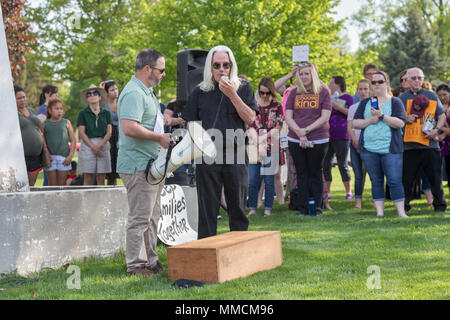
[226, 256]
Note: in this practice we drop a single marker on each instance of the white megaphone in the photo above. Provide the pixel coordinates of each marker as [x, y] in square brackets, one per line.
[194, 144]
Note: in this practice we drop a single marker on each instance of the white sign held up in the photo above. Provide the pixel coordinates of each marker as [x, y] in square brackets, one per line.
[300, 53]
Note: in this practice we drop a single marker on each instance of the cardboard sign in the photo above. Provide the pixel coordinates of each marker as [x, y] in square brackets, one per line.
[300, 53]
[173, 225]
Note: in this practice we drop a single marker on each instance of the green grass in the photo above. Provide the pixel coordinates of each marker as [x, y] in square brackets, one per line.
[324, 257]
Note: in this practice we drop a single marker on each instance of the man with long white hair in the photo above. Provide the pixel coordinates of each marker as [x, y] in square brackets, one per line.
[223, 103]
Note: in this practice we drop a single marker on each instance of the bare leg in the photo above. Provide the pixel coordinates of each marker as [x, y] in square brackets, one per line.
[347, 186]
[379, 206]
[52, 178]
[88, 178]
[101, 179]
[61, 177]
[32, 177]
[279, 186]
[400, 206]
[429, 197]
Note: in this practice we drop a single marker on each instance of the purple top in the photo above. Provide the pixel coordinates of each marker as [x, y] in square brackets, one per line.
[307, 108]
[338, 120]
[445, 149]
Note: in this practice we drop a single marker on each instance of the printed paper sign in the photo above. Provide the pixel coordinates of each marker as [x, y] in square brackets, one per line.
[173, 225]
[300, 53]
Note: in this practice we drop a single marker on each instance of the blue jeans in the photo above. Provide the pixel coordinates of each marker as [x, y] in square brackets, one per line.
[255, 178]
[359, 170]
[389, 165]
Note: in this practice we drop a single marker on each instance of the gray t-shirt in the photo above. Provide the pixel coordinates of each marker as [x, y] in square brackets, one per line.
[31, 138]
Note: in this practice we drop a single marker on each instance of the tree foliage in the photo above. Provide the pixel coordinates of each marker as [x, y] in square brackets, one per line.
[88, 41]
[413, 46]
[19, 37]
[381, 22]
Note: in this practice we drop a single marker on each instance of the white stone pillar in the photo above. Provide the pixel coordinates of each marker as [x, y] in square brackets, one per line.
[13, 172]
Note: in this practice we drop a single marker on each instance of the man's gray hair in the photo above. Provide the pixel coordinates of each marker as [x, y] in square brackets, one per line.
[147, 57]
[410, 70]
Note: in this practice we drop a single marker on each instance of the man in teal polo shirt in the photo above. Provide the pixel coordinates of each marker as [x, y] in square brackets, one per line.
[141, 134]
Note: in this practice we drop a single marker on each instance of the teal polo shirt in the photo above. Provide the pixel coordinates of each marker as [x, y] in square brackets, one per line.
[138, 103]
[96, 125]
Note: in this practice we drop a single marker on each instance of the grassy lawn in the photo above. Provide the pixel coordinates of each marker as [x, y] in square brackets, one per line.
[326, 257]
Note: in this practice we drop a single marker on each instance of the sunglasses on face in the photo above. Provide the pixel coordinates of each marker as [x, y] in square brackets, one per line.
[403, 80]
[160, 70]
[378, 82]
[225, 65]
[416, 78]
[263, 93]
[95, 93]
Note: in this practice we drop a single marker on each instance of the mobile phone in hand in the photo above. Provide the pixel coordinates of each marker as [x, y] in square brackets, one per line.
[374, 102]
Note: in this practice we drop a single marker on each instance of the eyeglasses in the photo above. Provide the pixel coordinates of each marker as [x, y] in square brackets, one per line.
[403, 80]
[378, 81]
[160, 70]
[262, 93]
[416, 78]
[225, 65]
[95, 93]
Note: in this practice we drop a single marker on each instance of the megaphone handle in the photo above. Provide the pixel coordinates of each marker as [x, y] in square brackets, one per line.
[149, 164]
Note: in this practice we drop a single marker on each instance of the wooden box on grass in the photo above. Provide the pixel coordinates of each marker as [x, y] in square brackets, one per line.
[226, 256]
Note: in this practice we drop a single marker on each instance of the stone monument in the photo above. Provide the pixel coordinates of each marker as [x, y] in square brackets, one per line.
[13, 172]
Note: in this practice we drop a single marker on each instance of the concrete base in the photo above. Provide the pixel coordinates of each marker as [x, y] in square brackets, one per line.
[50, 227]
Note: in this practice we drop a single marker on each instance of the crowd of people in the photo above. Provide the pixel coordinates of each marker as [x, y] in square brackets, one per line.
[398, 134]
[323, 124]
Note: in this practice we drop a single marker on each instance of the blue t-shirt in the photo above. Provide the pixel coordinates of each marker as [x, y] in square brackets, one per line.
[377, 136]
[398, 111]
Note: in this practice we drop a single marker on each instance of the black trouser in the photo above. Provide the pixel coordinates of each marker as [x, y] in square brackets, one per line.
[309, 164]
[340, 149]
[210, 179]
[431, 161]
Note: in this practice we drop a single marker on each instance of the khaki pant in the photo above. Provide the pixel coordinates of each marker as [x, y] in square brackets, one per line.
[142, 224]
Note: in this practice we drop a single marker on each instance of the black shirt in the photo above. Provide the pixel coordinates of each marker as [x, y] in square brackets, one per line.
[203, 106]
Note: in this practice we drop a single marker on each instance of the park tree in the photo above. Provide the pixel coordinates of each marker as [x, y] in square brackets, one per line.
[19, 36]
[379, 21]
[84, 40]
[413, 45]
[260, 33]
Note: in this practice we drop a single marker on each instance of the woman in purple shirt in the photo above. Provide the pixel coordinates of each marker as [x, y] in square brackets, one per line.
[308, 110]
[339, 138]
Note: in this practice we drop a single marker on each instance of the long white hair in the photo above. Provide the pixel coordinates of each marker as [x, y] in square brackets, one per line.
[208, 80]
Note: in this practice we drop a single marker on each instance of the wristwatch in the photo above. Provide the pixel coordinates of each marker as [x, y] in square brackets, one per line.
[381, 117]
[307, 131]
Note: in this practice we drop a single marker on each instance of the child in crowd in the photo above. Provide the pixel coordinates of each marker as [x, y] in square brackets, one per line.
[364, 90]
[58, 133]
